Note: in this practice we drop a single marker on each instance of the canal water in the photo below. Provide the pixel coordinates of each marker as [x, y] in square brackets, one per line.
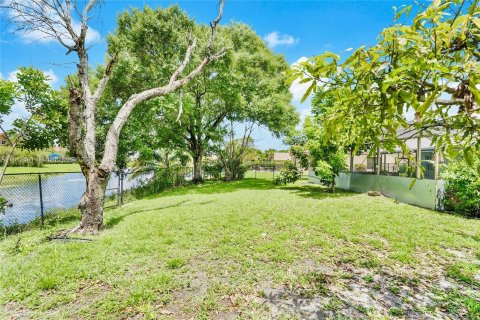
[59, 191]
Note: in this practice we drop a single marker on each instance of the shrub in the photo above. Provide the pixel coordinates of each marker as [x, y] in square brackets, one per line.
[360, 167]
[289, 174]
[23, 158]
[462, 187]
[234, 169]
[327, 170]
[213, 169]
[164, 178]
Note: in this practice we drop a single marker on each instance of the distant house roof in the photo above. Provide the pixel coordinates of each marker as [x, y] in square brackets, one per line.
[282, 156]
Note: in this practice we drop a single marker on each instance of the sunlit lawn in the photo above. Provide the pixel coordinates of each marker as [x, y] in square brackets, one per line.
[49, 167]
[207, 251]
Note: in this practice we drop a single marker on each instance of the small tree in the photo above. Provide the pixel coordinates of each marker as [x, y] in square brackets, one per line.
[231, 152]
[328, 169]
[289, 173]
[44, 105]
[326, 157]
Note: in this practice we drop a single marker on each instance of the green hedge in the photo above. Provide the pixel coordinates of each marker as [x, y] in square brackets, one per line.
[462, 187]
[24, 158]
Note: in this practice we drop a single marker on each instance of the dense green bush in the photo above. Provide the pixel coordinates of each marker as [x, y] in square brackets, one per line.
[23, 158]
[462, 187]
[163, 178]
[213, 169]
[289, 174]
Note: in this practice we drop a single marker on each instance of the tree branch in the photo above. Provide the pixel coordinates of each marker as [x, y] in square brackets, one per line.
[450, 102]
[185, 62]
[106, 76]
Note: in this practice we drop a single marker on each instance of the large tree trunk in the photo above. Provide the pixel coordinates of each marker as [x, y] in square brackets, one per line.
[197, 169]
[91, 204]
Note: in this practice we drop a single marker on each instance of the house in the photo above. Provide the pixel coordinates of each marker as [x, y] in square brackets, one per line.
[396, 174]
[396, 162]
[281, 157]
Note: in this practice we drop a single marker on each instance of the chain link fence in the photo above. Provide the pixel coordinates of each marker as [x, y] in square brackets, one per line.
[266, 171]
[33, 196]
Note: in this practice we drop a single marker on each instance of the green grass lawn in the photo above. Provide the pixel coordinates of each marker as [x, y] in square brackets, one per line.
[248, 250]
[47, 168]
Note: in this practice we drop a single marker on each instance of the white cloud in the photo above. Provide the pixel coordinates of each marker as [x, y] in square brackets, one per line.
[39, 36]
[18, 111]
[52, 77]
[93, 36]
[298, 89]
[12, 76]
[275, 38]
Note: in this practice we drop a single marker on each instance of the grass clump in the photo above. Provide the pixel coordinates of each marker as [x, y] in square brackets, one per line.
[396, 312]
[176, 263]
[465, 272]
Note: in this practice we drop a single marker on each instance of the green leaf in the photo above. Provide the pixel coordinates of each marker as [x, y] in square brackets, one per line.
[428, 102]
[309, 90]
[410, 186]
[472, 85]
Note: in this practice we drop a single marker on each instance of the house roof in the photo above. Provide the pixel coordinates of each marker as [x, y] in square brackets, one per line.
[282, 156]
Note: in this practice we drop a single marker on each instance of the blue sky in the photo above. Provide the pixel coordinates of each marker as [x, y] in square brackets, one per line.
[295, 29]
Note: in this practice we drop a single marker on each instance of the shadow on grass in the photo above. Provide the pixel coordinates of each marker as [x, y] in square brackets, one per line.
[213, 187]
[116, 220]
[218, 187]
[316, 191]
[52, 219]
[209, 187]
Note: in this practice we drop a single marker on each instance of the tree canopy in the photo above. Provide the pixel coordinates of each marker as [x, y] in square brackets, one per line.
[422, 78]
[247, 85]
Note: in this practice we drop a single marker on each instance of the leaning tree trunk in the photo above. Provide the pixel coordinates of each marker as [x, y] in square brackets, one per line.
[332, 188]
[197, 169]
[92, 201]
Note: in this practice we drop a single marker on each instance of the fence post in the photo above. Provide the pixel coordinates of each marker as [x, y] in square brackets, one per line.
[41, 197]
[121, 186]
[119, 193]
[255, 172]
[273, 178]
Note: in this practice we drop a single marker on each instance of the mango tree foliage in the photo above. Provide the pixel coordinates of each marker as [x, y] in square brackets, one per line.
[422, 77]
